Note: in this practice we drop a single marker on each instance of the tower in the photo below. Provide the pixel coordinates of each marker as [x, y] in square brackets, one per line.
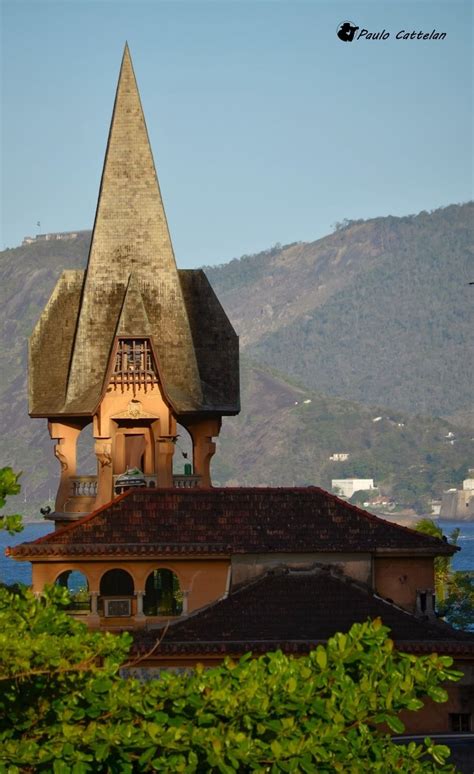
[132, 345]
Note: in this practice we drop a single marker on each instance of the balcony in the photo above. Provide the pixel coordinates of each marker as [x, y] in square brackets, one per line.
[86, 486]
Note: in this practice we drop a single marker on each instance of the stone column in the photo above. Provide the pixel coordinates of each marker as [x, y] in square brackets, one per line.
[185, 601]
[94, 617]
[164, 450]
[204, 447]
[94, 595]
[103, 452]
[140, 616]
[140, 595]
[66, 436]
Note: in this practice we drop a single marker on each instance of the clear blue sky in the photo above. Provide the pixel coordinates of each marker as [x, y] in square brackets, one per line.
[265, 127]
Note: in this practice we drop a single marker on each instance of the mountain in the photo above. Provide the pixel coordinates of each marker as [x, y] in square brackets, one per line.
[296, 308]
[286, 434]
[378, 312]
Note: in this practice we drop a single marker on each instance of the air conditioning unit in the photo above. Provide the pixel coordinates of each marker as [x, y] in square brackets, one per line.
[117, 608]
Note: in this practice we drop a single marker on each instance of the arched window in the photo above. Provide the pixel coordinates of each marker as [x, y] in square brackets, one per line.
[163, 595]
[77, 585]
[116, 583]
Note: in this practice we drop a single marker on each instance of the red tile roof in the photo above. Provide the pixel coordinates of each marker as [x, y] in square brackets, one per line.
[229, 521]
[293, 611]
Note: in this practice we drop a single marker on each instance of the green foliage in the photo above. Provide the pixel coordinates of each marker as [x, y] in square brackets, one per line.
[276, 442]
[454, 590]
[64, 707]
[458, 604]
[9, 486]
[362, 496]
[393, 334]
[442, 564]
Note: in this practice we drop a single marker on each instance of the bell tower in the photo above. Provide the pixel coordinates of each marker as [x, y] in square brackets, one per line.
[132, 345]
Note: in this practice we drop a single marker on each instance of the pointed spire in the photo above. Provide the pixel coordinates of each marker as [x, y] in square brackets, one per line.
[131, 235]
[130, 213]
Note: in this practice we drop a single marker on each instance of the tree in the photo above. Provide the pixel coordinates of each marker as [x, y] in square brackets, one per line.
[454, 589]
[9, 486]
[64, 708]
[442, 564]
[458, 607]
[362, 496]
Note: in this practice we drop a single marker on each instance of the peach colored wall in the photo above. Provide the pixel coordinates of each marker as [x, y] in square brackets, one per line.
[398, 578]
[205, 580]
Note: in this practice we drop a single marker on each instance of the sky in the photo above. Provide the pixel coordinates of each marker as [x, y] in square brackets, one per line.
[265, 127]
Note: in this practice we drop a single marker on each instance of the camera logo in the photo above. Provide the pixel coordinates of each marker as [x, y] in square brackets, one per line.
[346, 31]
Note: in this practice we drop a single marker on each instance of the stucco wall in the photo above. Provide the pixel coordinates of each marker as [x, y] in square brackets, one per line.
[399, 578]
[204, 580]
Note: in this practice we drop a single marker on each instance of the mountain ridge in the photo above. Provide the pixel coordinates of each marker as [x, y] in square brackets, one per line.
[273, 440]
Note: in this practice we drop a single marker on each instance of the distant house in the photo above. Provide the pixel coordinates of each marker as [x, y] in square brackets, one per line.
[346, 487]
[339, 457]
[53, 236]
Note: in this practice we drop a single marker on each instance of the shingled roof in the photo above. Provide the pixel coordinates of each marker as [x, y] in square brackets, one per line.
[132, 287]
[295, 610]
[229, 521]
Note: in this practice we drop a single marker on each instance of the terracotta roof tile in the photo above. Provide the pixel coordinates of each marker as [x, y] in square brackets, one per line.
[294, 611]
[231, 521]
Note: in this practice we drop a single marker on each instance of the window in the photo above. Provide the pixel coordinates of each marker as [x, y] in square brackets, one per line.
[134, 365]
[460, 722]
[163, 595]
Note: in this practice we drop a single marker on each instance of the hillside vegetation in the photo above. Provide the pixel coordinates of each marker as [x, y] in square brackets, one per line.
[376, 313]
[286, 434]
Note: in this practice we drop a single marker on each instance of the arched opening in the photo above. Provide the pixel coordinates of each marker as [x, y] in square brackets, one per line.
[133, 464]
[78, 586]
[183, 453]
[116, 593]
[116, 583]
[163, 595]
[86, 459]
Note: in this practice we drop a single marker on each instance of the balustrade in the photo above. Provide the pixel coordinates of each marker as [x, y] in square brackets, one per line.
[186, 482]
[84, 486]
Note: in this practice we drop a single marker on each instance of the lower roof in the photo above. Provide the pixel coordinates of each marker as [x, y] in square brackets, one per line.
[295, 610]
[226, 521]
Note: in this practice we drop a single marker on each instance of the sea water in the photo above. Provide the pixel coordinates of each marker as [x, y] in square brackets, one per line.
[12, 571]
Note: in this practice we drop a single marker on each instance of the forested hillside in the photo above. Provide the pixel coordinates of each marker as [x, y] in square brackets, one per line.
[377, 313]
[286, 434]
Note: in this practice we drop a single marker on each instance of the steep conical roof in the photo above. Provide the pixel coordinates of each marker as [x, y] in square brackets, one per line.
[132, 288]
[131, 235]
